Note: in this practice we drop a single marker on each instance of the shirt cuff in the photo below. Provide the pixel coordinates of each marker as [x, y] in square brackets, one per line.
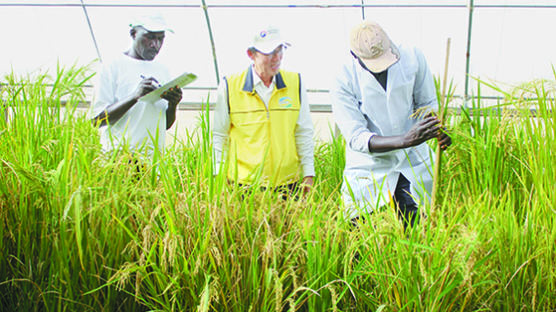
[367, 138]
[308, 170]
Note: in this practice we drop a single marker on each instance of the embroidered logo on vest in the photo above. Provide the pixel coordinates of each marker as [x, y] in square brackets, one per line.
[285, 102]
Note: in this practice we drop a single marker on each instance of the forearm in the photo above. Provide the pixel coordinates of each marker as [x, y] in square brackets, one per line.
[170, 115]
[382, 144]
[114, 112]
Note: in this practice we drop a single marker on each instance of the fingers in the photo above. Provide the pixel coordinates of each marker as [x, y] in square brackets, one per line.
[149, 84]
[429, 128]
[174, 91]
[145, 87]
[430, 131]
[172, 95]
[444, 140]
[430, 121]
[433, 126]
[151, 80]
[422, 131]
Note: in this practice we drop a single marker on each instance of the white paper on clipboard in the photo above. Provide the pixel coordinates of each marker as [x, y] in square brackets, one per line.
[181, 81]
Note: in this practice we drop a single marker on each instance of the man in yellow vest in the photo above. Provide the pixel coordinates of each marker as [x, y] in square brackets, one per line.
[262, 128]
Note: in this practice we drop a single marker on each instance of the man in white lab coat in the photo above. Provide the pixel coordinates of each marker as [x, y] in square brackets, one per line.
[374, 97]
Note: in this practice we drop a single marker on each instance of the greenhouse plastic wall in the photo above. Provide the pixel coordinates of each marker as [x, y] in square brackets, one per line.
[507, 38]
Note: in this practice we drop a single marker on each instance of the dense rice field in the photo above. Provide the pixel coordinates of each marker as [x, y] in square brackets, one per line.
[80, 231]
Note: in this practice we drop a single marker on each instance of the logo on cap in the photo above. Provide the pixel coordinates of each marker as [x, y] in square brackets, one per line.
[263, 34]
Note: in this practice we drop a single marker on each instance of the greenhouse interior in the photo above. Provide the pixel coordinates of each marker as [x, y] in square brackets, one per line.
[85, 230]
[499, 41]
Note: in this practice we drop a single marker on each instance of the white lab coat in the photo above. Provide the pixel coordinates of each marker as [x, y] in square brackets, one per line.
[361, 109]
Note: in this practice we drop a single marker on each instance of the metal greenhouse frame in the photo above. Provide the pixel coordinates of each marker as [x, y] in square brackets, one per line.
[470, 6]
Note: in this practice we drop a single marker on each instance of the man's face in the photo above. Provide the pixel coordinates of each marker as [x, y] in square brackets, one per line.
[146, 44]
[267, 65]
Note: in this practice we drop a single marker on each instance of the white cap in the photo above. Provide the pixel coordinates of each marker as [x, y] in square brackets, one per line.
[373, 46]
[152, 23]
[267, 39]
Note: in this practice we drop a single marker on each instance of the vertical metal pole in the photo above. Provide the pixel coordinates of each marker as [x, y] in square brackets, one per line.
[211, 42]
[363, 9]
[91, 29]
[468, 52]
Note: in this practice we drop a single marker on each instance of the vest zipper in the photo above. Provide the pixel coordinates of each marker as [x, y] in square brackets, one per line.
[265, 107]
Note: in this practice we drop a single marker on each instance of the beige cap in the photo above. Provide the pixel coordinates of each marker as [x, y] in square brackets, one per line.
[373, 46]
[267, 39]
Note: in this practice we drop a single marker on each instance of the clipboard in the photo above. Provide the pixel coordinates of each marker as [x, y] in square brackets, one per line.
[180, 81]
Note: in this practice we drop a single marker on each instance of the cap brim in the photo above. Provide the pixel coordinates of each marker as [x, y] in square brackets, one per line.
[153, 28]
[269, 47]
[382, 63]
[158, 29]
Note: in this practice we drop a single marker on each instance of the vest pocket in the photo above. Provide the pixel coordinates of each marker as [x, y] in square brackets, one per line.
[249, 123]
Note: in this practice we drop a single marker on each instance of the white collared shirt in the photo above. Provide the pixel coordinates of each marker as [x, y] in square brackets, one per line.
[263, 91]
[303, 131]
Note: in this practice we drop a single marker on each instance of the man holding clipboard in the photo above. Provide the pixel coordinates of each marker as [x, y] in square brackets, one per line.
[127, 107]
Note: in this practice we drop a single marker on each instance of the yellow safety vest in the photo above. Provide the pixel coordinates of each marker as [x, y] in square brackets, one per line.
[262, 141]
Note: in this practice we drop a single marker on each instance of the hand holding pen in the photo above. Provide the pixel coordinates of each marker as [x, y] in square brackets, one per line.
[172, 95]
[153, 81]
[146, 85]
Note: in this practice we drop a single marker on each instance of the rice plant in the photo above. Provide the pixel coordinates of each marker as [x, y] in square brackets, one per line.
[84, 231]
